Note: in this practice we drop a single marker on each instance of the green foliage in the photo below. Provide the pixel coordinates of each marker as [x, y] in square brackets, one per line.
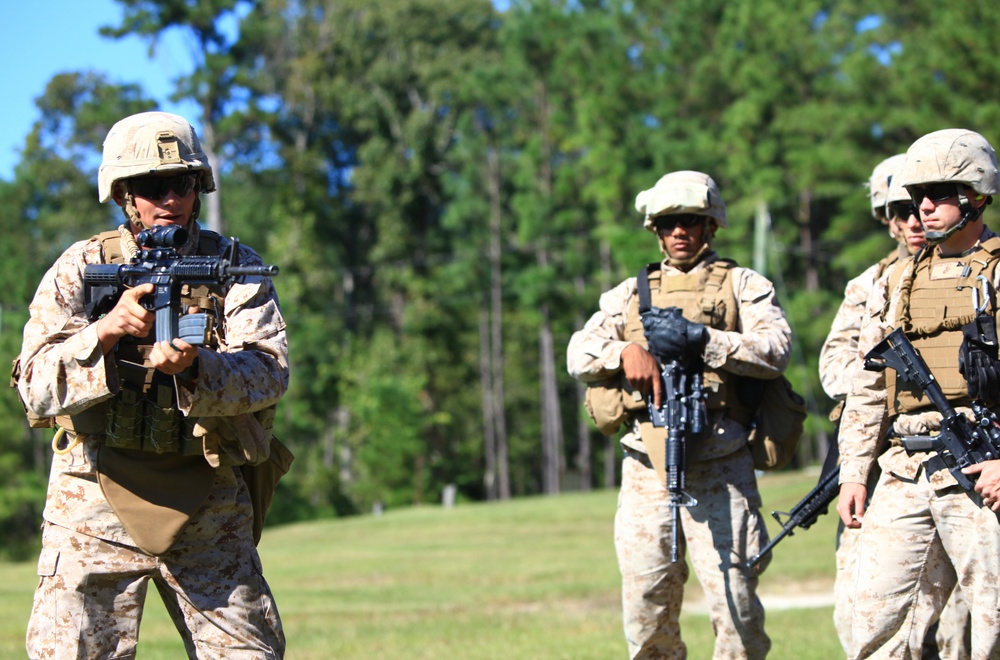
[438, 176]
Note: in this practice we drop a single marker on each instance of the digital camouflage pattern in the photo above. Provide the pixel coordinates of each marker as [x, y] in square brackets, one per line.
[761, 350]
[725, 486]
[952, 154]
[149, 142]
[838, 357]
[89, 602]
[64, 372]
[686, 191]
[918, 525]
[721, 532]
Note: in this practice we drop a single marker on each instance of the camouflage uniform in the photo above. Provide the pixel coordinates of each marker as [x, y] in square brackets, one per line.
[726, 527]
[916, 532]
[838, 357]
[837, 363]
[838, 360]
[93, 577]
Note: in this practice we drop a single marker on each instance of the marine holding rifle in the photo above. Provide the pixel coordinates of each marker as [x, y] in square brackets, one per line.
[162, 444]
[717, 321]
[922, 530]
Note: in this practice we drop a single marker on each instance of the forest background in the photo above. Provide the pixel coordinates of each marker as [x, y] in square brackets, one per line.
[448, 186]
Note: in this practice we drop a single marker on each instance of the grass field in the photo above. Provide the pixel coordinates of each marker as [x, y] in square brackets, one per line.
[531, 578]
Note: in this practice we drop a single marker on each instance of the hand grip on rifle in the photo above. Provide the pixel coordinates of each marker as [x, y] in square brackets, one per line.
[677, 344]
[963, 442]
[161, 265]
[670, 336]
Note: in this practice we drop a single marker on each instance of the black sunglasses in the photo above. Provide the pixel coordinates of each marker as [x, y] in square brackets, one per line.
[902, 211]
[156, 188]
[936, 192]
[669, 222]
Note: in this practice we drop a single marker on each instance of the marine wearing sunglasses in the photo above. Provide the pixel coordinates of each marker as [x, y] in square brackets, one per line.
[939, 193]
[667, 223]
[155, 188]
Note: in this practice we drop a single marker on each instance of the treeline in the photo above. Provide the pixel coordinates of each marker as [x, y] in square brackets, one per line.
[449, 185]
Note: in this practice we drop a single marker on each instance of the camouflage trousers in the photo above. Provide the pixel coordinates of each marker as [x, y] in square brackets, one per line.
[720, 533]
[950, 639]
[90, 597]
[848, 544]
[915, 545]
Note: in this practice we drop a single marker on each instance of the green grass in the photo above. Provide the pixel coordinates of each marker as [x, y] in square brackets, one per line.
[531, 578]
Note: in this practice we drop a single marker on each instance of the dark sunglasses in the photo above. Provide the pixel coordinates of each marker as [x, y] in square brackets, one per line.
[936, 192]
[156, 188]
[668, 223]
[902, 211]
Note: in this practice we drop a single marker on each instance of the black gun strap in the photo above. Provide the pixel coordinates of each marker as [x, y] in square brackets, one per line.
[645, 298]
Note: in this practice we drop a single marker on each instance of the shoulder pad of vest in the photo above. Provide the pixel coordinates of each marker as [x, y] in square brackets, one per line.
[111, 247]
[992, 245]
[723, 262]
[111, 233]
[209, 242]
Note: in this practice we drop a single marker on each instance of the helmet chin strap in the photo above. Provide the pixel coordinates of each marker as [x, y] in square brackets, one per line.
[129, 210]
[969, 214]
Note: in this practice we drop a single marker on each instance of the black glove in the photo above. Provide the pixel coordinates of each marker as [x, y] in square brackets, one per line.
[977, 359]
[671, 336]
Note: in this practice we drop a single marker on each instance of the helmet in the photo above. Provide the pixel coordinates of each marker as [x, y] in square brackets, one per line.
[953, 154]
[682, 192]
[896, 191]
[149, 143]
[878, 183]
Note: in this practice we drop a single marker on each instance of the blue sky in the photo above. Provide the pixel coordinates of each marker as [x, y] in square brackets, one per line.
[41, 38]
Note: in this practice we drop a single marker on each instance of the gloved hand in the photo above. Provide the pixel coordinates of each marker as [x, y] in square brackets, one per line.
[236, 440]
[977, 359]
[670, 336]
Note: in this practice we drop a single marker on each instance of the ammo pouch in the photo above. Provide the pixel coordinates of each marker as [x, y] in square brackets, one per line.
[144, 415]
[611, 402]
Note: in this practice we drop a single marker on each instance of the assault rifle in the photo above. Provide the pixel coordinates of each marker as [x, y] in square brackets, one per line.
[168, 271]
[960, 443]
[682, 412]
[805, 513]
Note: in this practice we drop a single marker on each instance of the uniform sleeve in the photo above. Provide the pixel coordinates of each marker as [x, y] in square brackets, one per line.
[595, 352]
[761, 346]
[63, 369]
[838, 358]
[865, 409]
[250, 372]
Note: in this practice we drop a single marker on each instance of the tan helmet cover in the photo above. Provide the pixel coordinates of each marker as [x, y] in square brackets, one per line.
[896, 192]
[682, 192]
[151, 143]
[953, 154]
[878, 183]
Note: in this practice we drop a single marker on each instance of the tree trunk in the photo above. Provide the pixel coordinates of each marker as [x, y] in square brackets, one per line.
[553, 459]
[501, 461]
[806, 240]
[212, 202]
[489, 410]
